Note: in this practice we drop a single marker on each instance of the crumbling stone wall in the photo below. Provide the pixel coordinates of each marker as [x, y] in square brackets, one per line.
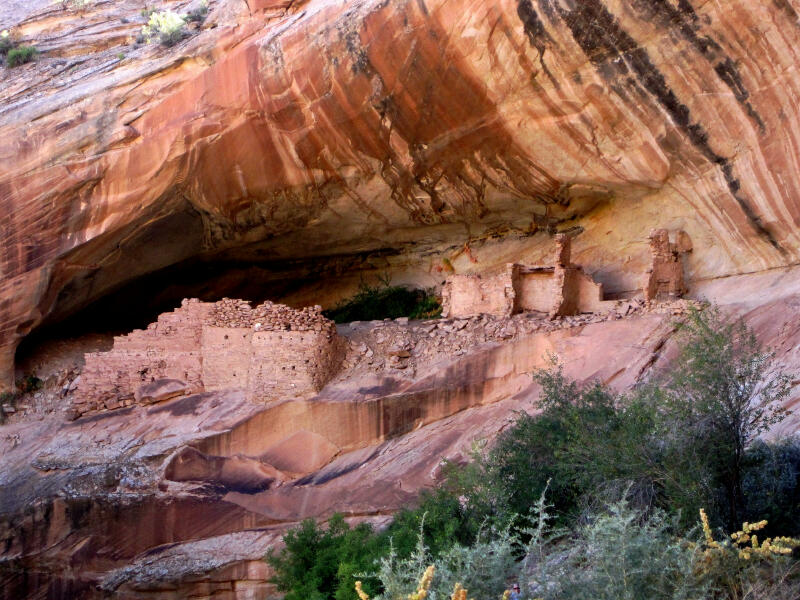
[270, 351]
[492, 294]
[562, 289]
[573, 291]
[664, 280]
[292, 363]
[167, 349]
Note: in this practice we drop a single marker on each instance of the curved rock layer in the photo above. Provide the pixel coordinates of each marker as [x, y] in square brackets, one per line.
[294, 130]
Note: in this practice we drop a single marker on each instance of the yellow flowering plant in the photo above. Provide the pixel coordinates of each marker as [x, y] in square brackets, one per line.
[738, 544]
[167, 25]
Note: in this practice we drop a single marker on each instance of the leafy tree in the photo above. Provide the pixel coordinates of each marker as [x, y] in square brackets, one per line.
[585, 440]
[720, 398]
[319, 564]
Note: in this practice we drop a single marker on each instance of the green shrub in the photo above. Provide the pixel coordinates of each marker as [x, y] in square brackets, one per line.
[29, 383]
[21, 55]
[6, 42]
[586, 443]
[320, 563]
[483, 568]
[386, 301]
[441, 517]
[75, 4]
[197, 15]
[621, 553]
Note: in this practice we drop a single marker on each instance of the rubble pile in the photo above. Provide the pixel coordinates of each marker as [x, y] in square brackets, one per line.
[268, 316]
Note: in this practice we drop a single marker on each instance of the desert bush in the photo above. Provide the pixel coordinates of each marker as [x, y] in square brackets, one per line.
[75, 4]
[321, 562]
[620, 553]
[21, 55]
[6, 42]
[167, 26]
[382, 301]
[199, 14]
[482, 567]
[743, 566]
[29, 383]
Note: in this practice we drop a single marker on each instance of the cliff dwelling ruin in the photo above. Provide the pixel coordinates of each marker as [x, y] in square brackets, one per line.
[561, 289]
[270, 351]
[664, 280]
[275, 352]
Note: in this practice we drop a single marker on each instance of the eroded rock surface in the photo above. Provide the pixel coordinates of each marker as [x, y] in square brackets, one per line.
[417, 130]
[289, 148]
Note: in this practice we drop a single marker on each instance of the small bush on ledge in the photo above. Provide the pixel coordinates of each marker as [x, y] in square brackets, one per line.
[21, 55]
[6, 42]
[197, 15]
[168, 26]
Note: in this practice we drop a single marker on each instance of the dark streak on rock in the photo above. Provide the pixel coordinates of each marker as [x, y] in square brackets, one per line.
[614, 53]
[684, 19]
[787, 8]
[536, 33]
[549, 11]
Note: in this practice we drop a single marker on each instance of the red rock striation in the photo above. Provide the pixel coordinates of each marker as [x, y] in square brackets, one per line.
[316, 141]
[301, 129]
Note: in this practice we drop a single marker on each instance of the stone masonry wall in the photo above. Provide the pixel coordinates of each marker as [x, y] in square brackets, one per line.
[466, 295]
[291, 363]
[167, 349]
[271, 351]
[559, 290]
[226, 355]
[664, 279]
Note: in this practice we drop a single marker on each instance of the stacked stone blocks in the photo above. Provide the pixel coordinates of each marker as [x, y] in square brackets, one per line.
[561, 289]
[271, 351]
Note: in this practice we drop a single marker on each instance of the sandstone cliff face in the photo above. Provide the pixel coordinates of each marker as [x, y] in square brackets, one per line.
[316, 129]
[297, 145]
